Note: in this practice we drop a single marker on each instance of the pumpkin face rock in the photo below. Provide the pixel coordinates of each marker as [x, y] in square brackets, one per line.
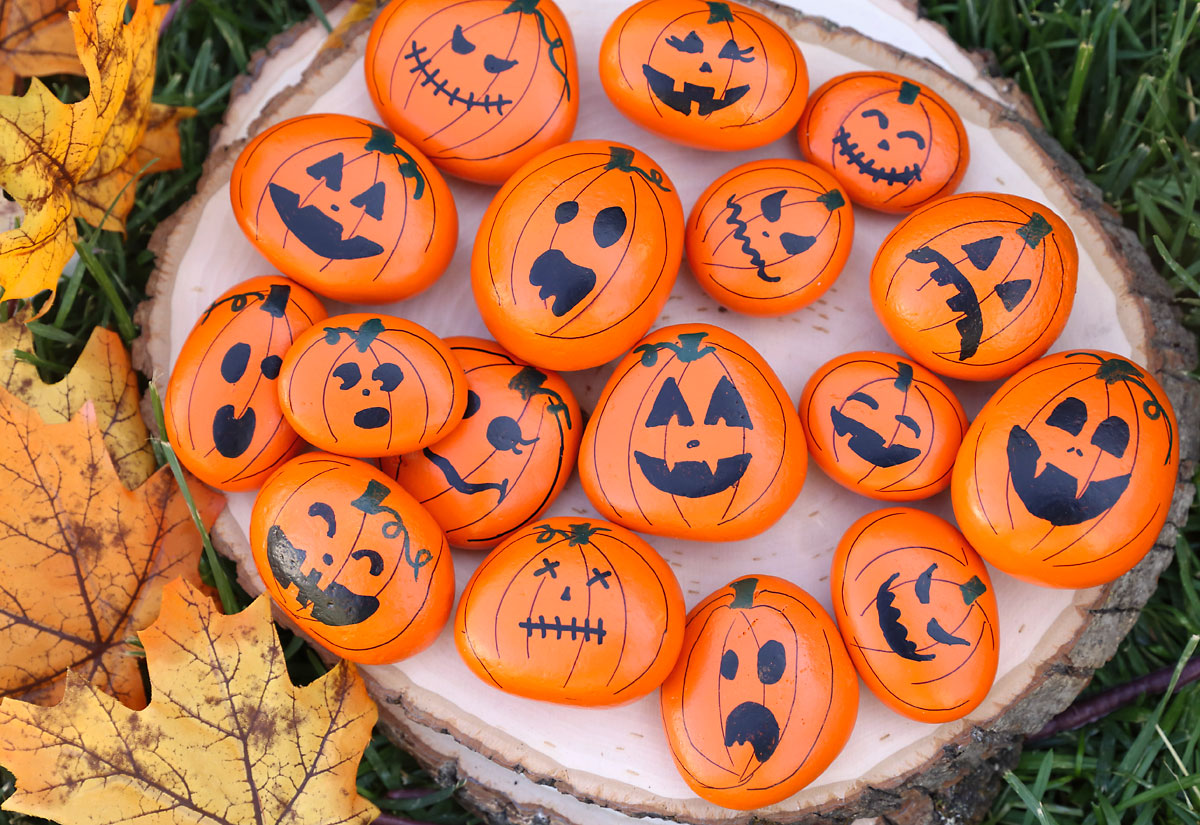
[576, 612]
[894, 144]
[976, 286]
[221, 408]
[507, 460]
[371, 385]
[479, 86]
[352, 558]
[917, 612]
[694, 436]
[1065, 477]
[769, 237]
[345, 207]
[763, 696]
[577, 253]
[708, 74]
[882, 426]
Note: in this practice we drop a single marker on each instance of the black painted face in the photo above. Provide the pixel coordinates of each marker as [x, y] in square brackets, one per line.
[895, 632]
[703, 51]
[1053, 494]
[321, 232]
[233, 433]
[440, 79]
[387, 375]
[771, 207]
[866, 443]
[866, 138]
[574, 630]
[752, 722]
[560, 278]
[688, 478]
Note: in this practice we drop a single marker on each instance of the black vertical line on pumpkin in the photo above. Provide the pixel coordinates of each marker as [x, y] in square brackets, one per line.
[706, 610]
[419, 76]
[637, 417]
[928, 149]
[662, 593]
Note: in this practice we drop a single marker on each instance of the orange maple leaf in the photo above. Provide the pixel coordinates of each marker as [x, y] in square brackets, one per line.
[83, 560]
[227, 738]
[35, 39]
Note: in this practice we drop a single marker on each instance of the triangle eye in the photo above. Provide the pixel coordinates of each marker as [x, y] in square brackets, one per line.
[372, 200]
[459, 42]
[667, 405]
[330, 169]
[727, 405]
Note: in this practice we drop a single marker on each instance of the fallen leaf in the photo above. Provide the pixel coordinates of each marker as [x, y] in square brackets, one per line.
[83, 560]
[361, 10]
[46, 146]
[226, 739]
[104, 375]
[35, 39]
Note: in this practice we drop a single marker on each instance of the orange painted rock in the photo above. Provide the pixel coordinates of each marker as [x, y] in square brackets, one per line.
[345, 207]
[977, 285]
[508, 459]
[882, 426]
[1065, 477]
[917, 612]
[371, 385]
[694, 436]
[221, 408]
[894, 144]
[479, 86]
[355, 562]
[572, 611]
[577, 253]
[763, 697]
[769, 237]
[713, 75]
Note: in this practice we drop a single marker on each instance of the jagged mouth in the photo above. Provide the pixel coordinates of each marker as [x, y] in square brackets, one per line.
[858, 160]
[442, 87]
[693, 479]
[334, 604]
[558, 627]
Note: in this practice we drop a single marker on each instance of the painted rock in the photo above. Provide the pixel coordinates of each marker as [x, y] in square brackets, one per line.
[479, 86]
[354, 560]
[577, 253]
[882, 426]
[694, 436]
[713, 75]
[769, 237]
[977, 285]
[894, 144]
[1065, 477]
[917, 612]
[345, 207]
[572, 611]
[221, 407]
[371, 385]
[763, 697]
[508, 459]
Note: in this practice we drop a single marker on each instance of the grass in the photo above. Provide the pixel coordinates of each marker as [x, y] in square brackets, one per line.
[1115, 83]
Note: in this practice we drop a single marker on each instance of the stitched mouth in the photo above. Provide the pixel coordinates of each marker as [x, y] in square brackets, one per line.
[442, 87]
[859, 161]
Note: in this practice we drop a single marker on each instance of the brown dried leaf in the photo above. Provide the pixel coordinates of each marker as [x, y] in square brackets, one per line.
[36, 39]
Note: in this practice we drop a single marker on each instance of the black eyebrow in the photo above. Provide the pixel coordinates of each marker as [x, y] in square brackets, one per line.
[908, 422]
[911, 135]
[883, 121]
[864, 398]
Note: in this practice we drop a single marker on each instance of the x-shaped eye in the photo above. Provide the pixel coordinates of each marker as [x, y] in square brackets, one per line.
[692, 44]
[730, 51]
[371, 200]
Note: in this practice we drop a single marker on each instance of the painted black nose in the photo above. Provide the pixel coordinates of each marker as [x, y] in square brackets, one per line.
[704, 67]
[884, 145]
[693, 444]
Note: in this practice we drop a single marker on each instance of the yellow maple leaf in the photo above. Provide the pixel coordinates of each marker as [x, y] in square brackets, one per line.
[227, 737]
[103, 375]
[83, 560]
[35, 39]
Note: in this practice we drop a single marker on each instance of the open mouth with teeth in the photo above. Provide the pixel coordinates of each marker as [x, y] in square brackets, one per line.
[442, 87]
[867, 167]
[334, 604]
[705, 97]
[693, 479]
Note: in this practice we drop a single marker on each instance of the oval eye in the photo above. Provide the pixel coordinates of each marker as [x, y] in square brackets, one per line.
[565, 212]
[669, 404]
[270, 367]
[609, 226]
[772, 661]
[233, 365]
[459, 42]
[349, 374]
[1069, 416]
[726, 405]
[729, 664]
[1112, 436]
[388, 375]
[496, 65]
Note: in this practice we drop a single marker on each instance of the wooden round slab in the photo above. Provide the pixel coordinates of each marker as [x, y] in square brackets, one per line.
[525, 762]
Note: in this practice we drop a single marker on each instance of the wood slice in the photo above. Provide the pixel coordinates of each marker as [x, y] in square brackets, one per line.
[530, 763]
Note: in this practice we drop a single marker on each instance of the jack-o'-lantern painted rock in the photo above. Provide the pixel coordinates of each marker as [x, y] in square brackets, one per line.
[370, 385]
[882, 425]
[508, 459]
[221, 408]
[345, 207]
[352, 558]
[714, 75]
[918, 614]
[577, 253]
[479, 86]
[770, 236]
[1065, 477]
[694, 436]
[572, 611]
[763, 697]
[976, 286]
[894, 144]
